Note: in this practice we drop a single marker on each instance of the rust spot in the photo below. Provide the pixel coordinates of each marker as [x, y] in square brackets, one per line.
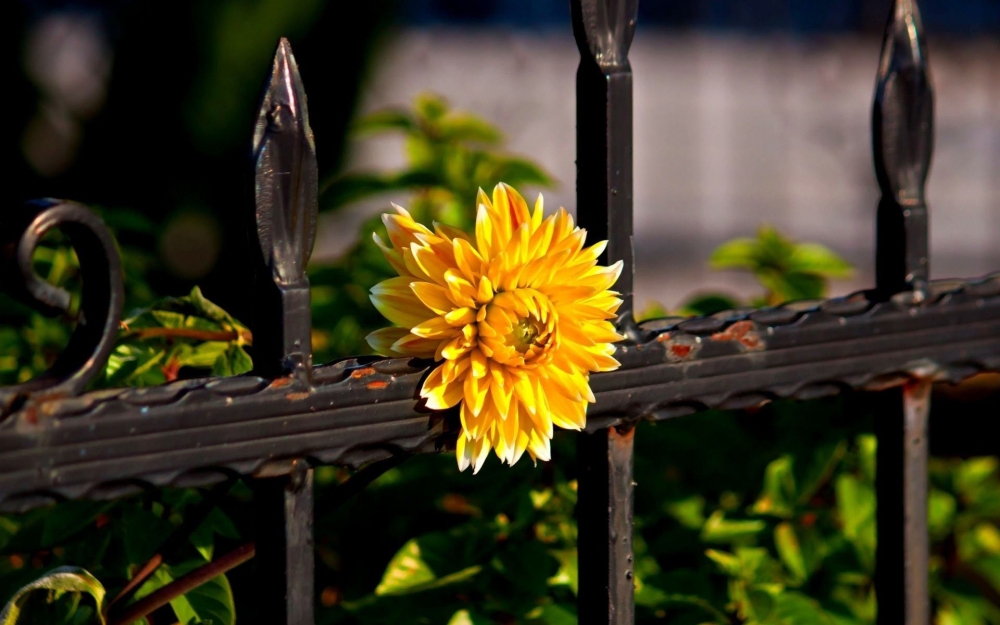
[297, 396]
[682, 347]
[742, 332]
[681, 351]
[280, 382]
[375, 385]
[31, 415]
[360, 373]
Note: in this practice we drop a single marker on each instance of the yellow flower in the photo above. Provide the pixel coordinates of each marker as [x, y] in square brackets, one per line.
[519, 314]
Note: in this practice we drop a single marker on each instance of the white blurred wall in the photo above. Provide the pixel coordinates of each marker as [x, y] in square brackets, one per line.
[730, 131]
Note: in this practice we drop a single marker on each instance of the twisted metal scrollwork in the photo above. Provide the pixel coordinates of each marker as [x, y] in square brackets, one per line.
[101, 299]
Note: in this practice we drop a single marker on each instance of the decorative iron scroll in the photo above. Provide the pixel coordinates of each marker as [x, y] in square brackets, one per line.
[102, 297]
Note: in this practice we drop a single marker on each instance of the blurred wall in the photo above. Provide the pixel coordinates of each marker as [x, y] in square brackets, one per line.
[731, 130]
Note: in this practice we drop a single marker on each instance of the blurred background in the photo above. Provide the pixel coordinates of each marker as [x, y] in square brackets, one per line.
[745, 112]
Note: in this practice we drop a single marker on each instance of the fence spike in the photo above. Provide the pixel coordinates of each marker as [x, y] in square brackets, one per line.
[286, 199]
[902, 142]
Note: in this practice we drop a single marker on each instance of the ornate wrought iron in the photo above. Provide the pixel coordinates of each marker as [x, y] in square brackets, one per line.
[58, 442]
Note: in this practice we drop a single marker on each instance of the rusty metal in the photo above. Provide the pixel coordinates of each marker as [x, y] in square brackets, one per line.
[903, 548]
[604, 520]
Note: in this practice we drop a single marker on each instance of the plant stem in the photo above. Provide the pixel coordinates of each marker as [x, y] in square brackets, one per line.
[191, 333]
[147, 605]
[192, 519]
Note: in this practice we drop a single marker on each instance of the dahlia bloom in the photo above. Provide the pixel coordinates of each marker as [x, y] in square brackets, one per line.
[518, 316]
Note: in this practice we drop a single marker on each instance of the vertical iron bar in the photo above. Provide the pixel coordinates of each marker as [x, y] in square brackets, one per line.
[603, 31]
[286, 200]
[284, 542]
[604, 520]
[903, 549]
[902, 142]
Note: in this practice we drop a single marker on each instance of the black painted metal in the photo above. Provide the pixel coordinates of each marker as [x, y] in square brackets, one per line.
[603, 31]
[287, 416]
[100, 308]
[902, 142]
[284, 547]
[901, 578]
[286, 194]
[604, 522]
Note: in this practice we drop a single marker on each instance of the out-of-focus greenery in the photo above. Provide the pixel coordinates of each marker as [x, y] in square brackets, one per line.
[756, 518]
[450, 155]
[786, 270]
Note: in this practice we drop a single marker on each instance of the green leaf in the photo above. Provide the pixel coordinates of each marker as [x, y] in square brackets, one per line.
[728, 563]
[465, 617]
[430, 106]
[233, 361]
[350, 188]
[787, 544]
[779, 492]
[817, 472]
[552, 614]
[707, 304]
[819, 260]
[384, 121]
[568, 573]
[212, 602]
[793, 608]
[856, 508]
[689, 512]
[718, 616]
[203, 538]
[528, 567]
[463, 127]
[718, 529]
[941, 508]
[406, 570]
[735, 254]
[521, 172]
[66, 579]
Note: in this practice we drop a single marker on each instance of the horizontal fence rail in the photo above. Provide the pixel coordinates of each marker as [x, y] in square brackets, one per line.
[109, 442]
[275, 424]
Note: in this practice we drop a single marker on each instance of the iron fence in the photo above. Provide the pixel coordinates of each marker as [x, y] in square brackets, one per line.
[272, 426]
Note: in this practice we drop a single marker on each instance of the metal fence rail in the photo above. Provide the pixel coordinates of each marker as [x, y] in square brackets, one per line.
[57, 442]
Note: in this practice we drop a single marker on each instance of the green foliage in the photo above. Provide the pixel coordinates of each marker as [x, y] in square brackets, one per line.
[174, 336]
[61, 590]
[110, 540]
[450, 155]
[787, 270]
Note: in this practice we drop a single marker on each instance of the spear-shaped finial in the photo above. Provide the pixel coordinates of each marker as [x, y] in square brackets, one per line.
[285, 193]
[604, 30]
[902, 141]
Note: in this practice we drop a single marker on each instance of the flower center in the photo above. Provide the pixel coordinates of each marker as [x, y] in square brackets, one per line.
[519, 328]
[524, 334]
